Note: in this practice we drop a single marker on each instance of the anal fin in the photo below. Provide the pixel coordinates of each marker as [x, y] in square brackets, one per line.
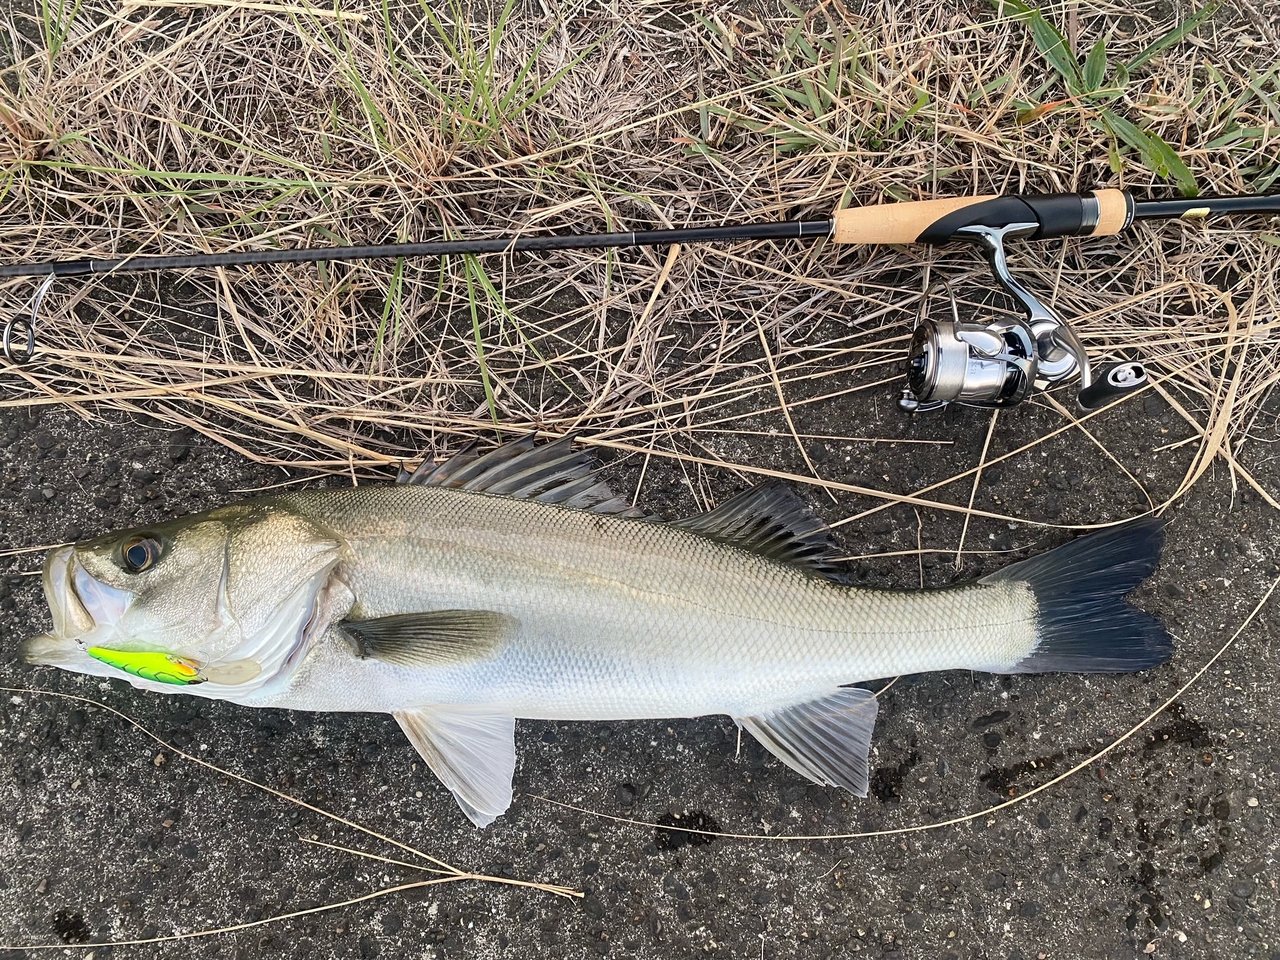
[472, 751]
[827, 740]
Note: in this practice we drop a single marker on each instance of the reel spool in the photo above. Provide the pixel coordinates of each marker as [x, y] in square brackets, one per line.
[998, 363]
[980, 364]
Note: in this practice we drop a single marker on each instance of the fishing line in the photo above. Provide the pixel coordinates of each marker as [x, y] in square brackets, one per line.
[953, 821]
[892, 500]
[973, 490]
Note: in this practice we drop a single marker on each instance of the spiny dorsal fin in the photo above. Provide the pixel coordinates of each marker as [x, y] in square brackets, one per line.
[432, 638]
[551, 472]
[771, 520]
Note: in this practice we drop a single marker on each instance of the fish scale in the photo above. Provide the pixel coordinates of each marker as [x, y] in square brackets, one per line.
[625, 618]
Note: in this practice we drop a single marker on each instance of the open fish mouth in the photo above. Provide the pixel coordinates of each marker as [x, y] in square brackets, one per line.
[48, 650]
[90, 634]
[80, 606]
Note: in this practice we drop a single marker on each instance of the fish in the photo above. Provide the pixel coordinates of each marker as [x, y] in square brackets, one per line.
[514, 583]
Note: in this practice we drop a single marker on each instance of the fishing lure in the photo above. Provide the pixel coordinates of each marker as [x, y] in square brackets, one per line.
[150, 665]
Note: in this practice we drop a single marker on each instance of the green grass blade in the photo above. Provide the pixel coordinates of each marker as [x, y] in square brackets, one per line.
[1049, 40]
[1158, 156]
[392, 312]
[472, 266]
[1095, 66]
[56, 23]
[1171, 165]
[1175, 35]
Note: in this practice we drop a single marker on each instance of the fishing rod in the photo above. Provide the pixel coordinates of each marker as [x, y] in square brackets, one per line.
[984, 363]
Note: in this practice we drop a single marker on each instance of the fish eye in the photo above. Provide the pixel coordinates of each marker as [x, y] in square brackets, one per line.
[140, 552]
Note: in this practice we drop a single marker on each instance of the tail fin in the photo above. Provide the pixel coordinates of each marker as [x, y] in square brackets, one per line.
[1083, 624]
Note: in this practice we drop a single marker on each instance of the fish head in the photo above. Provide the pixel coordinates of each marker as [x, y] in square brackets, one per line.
[219, 604]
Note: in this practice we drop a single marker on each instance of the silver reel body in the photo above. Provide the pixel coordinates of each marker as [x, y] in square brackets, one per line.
[999, 363]
[980, 364]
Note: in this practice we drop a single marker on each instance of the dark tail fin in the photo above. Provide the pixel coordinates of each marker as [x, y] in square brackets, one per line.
[1083, 624]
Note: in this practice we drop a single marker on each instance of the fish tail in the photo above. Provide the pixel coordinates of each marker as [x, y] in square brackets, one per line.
[1083, 624]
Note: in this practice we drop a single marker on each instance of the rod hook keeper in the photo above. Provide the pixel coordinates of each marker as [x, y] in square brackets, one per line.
[19, 339]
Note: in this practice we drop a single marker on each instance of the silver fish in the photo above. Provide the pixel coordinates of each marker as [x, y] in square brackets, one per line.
[515, 584]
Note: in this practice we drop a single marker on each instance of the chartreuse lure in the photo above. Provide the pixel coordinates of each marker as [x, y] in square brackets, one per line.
[150, 665]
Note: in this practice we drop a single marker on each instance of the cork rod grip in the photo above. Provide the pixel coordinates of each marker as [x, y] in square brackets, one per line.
[1114, 212]
[896, 222]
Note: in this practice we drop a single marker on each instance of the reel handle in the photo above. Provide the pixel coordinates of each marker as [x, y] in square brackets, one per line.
[1095, 214]
[1112, 383]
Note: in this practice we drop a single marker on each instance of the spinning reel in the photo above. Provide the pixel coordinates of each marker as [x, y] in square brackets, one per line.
[999, 363]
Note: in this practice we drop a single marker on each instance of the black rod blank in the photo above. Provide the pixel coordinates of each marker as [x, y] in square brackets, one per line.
[782, 230]
[1204, 206]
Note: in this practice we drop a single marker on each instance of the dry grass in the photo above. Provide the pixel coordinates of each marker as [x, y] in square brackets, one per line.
[208, 127]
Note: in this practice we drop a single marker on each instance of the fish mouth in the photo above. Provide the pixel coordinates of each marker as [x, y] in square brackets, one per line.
[79, 605]
[46, 650]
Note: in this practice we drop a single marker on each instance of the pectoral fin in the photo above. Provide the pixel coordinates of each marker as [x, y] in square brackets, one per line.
[472, 752]
[826, 740]
[433, 638]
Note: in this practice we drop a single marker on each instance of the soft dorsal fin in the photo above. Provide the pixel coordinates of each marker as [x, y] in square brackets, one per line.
[771, 519]
[550, 472]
